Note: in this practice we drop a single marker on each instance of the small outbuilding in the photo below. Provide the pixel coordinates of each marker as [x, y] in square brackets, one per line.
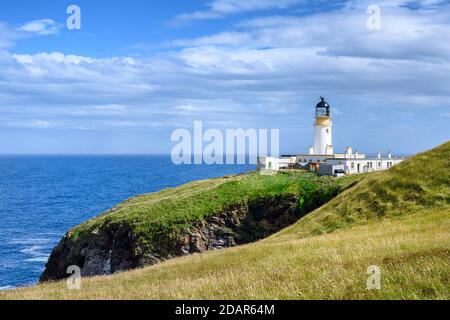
[335, 170]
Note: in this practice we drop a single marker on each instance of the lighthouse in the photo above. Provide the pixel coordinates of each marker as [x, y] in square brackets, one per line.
[323, 138]
[321, 157]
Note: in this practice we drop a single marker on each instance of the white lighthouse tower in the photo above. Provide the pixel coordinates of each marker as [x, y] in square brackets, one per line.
[323, 137]
[321, 157]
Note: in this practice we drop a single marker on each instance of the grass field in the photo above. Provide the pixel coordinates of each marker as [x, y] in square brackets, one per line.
[173, 210]
[398, 220]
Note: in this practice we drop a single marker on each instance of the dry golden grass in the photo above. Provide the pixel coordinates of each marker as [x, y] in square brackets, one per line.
[412, 251]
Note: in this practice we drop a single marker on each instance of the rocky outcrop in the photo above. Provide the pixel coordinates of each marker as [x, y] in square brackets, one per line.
[115, 247]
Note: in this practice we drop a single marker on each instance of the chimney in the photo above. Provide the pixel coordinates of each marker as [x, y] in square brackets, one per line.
[348, 152]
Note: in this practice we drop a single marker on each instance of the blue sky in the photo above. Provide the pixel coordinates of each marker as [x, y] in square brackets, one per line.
[139, 69]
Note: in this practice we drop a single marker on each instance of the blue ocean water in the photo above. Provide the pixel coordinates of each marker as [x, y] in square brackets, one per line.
[42, 197]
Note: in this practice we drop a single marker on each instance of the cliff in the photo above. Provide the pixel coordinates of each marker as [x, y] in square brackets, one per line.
[194, 218]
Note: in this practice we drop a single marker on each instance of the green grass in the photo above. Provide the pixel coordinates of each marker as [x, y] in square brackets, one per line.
[398, 220]
[416, 185]
[173, 210]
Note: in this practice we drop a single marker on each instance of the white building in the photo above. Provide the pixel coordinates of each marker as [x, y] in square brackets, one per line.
[322, 153]
[365, 165]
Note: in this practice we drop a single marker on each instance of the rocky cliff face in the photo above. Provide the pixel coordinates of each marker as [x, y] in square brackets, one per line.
[116, 248]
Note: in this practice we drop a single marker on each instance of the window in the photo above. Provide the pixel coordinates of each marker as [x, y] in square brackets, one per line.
[352, 165]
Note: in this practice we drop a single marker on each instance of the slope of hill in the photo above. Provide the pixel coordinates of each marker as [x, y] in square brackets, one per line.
[193, 218]
[398, 220]
[419, 184]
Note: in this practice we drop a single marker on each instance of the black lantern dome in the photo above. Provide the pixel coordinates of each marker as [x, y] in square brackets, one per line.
[323, 109]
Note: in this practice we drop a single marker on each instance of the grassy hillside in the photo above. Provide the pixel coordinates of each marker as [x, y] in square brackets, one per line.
[420, 184]
[413, 252]
[398, 220]
[172, 210]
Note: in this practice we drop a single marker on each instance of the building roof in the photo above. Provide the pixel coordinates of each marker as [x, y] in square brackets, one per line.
[323, 109]
[365, 159]
[323, 103]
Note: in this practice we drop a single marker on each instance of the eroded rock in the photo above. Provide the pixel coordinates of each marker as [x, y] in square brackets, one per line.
[116, 248]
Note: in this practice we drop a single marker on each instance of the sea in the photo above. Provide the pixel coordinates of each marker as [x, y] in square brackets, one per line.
[43, 197]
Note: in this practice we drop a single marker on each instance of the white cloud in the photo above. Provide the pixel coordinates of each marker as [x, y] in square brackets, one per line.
[223, 38]
[221, 8]
[404, 35]
[27, 124]
[40, 27]
[417, 4]
[9, 35]
[40, 124]
[186, 107]
[276, 65]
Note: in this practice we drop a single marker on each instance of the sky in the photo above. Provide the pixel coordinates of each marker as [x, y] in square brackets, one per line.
[137, 70]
